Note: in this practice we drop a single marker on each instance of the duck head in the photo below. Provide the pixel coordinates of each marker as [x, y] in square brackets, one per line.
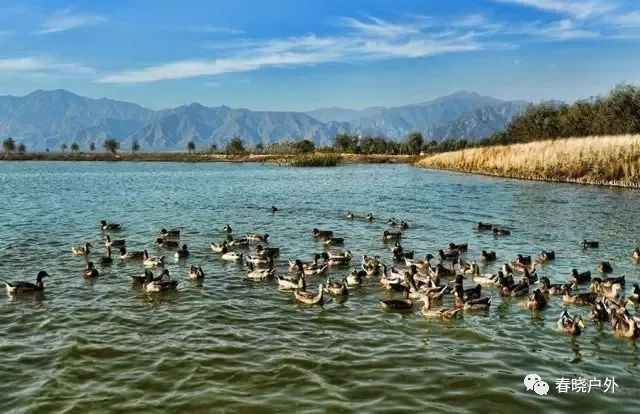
[184, 247]
[42, 274]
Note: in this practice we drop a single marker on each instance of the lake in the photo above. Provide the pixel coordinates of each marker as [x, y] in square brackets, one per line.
[238, 346]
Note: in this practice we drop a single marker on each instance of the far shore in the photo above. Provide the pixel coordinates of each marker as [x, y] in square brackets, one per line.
[281, 159]
[606, 161]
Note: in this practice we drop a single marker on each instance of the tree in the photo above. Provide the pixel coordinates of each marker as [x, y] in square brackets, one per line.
[135, 147]
[235, 146]
[75, 147]
[259, 147]
[63, 147]
[213, 148]
[111, 145]
[347, 143]
[414, 142]
[22, 148]
[92, 146]
[9, 145]
[304, 146]
[191, 146]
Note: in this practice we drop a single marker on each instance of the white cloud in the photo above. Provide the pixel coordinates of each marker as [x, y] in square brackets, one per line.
[630, 19]
[209, 28]
[66, 19]
[579, 9]
[370, 39]
[43, 64]
[565, 29]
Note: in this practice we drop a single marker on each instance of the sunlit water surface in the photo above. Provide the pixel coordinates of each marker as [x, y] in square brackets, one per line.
[236, 346]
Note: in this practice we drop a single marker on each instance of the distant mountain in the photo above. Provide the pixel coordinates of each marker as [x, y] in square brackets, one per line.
[46, 119]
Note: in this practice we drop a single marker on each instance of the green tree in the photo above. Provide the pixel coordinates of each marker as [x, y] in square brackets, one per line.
[92, 146]
[75, 147]
[63, 147]
[304, 146]
[235, 146]
[259, 147]
[191, 146]
[9, 145]
[414, 142]
[135, 146]
[22, 148]
[347, 143]
[111, 145]
[213, 148]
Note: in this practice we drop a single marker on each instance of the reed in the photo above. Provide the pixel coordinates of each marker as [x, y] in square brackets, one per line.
[315, 160]
[605, 160]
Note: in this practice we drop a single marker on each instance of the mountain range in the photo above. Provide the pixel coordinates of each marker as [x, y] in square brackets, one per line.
[46, 119]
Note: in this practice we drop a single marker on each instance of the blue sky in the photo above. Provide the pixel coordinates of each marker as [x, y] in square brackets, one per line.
[302, 54]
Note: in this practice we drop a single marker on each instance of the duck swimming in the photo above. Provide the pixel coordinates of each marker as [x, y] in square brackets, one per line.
[110, 226]
[484, 226]
[232, 256]
[397, 305]
[170, 234]
[501, 232]
[20, 287]
[337, 259]
[82, 249]
[290, 283]
[554, 289]
[196, 273]
[167, 243]
[392, 222]
[460, 248]
[231, 242]
[623, 324]
[388, 235]
[113, 243]
[446, 313]
[253, 237]
[571, 325]
[333, 241]
[299, 268]
[605, 267]
[126, 255]
[356, 277]
[90, 272]
[336, 288]
[309, 298]
[219, 248]
[227, 228]
[546, 256]
[368, 217]
[268, 251]
[588, 298]
[404, 225]
[312, 265]
[350, 215]
[580, 278]
[183, 253]
[161, 284]
[611, 291]
[589, 244]
[488, 256]
[106, 260]
[140, 280]
[536, 301]
[321, 234]
[636, 253]
[273, 209]
[152, 261]
[259, 274]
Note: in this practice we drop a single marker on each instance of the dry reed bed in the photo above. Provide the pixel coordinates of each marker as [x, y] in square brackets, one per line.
[607, 160]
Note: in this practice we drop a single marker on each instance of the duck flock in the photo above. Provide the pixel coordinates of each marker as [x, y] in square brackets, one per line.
[447, 285]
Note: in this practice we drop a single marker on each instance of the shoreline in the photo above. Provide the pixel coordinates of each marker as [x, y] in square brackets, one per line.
[611, 161]
[277, 159]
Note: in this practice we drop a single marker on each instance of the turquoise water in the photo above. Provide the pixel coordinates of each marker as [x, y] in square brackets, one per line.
[236, 346]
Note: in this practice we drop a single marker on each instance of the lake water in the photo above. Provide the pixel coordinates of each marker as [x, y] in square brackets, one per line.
[236, 346]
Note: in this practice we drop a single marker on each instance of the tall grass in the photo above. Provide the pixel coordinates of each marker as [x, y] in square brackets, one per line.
[608, 160]
[315, 160]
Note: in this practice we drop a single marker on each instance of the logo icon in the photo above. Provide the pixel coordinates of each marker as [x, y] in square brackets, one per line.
[533, 382]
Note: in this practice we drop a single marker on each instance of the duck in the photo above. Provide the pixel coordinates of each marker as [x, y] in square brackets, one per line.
[482, 303]
[126, 255]
[487, 279]
[589, 244]
[397, 305]
[446, 313]
[621, 280]
[350, 216]
[554, 289]
[451, 256]
[388, 235]
[260, 261]
[337, 260]
[607, 291]
[311, 272]
[152, 261]
[232, 256]
[21, 287]
[290, 283]
[196, 273]
[183, 253]
[418, 263]
[227, 228]
[309, 298]
[634, 297]
[532, 276]
[580, 278]
[219, 247]
[267, 251]
[167, 243]
[636, 253]
[536, 300]
[110, 226]
[399, 255]
[605, 267]
[404, 225]
[466, 294]
[90, 271]
[484, 226]
[170, 234]
[501, 232]
[113, 243]
[460, 248]
[546, 256]
[465, 267]
[343, 255]
[510, 289]
[320, 234]
[333, 241]
[231, 242]
[161, 284]
[571, 325]
[488, 256]
[368, 217]
[140, 280]
[259, 274]
[273, 209]
[431, 290]
[623, 324]
[442, 271]
[82, 249]
[336, 288]
[106, 260]
[392, 222]
[588, 298]
[355, 278]
[254, 237]
[599, 312]
[311, 265]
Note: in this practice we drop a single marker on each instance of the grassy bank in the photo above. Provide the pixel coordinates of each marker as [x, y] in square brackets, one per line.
[610, 160]
[312, 159]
